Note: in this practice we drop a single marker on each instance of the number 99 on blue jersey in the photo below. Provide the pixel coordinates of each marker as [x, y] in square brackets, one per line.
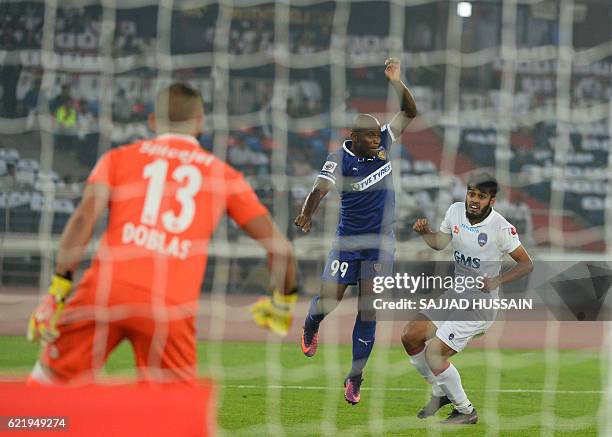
[348, 267]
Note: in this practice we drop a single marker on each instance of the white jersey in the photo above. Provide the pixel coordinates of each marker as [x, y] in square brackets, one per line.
[478, 249]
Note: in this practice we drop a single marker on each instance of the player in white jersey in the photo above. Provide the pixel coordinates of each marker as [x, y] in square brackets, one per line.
[480, 238]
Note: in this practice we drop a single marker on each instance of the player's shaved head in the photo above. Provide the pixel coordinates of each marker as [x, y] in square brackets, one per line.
[365, 136]
[179, 108]
[365, 122]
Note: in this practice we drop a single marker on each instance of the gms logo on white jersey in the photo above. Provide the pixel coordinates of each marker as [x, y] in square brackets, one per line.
[478, 249]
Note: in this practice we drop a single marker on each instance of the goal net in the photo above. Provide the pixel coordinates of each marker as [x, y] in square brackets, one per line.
[520, 88]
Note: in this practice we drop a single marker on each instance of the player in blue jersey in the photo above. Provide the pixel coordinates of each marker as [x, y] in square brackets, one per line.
[364, 245]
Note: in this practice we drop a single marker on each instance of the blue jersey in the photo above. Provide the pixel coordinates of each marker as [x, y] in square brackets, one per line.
[366, 188]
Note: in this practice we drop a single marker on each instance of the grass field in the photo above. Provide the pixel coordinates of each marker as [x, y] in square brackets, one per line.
[273, 388]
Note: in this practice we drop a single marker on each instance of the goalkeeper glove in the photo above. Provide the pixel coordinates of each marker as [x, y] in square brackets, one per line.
[275, 312]
[43, 322]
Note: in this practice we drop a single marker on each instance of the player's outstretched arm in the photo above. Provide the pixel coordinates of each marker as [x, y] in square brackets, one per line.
[79, 229]
[281, 259]
[319, 191]
[275, 312]
[75, 237]
[435, 240]
[409, 109]
[524, 266]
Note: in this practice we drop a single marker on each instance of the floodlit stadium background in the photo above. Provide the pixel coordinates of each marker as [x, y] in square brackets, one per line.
[520, 87]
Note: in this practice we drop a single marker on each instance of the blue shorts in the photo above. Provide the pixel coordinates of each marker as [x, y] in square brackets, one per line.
[349, 267]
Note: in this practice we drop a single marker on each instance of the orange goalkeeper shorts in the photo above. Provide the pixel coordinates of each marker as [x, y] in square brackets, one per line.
[162, 336]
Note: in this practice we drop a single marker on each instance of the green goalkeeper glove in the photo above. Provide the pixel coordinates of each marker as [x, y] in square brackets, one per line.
[275, 312]
[43, 322]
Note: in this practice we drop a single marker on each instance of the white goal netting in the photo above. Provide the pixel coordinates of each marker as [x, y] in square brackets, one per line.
[519, 87]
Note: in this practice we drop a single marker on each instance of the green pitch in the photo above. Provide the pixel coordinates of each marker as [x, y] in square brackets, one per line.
[264, 389]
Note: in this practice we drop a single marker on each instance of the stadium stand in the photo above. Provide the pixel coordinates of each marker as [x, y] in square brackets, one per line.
[73, 100]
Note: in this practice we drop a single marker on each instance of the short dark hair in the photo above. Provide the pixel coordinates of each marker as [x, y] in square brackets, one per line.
[484, 182]
[177, 103]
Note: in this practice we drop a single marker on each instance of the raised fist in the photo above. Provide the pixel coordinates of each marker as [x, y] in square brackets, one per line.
[303, 222]
[392, 69]
[421, 226]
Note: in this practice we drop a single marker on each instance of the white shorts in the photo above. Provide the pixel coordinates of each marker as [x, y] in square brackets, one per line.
[457, 327]
[457, 334]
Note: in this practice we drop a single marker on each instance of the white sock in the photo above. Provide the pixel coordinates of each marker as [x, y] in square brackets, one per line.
[40, 375]
[450, 382]
[419, 363]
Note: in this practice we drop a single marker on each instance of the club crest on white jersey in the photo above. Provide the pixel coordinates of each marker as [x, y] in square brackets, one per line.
[478, 249]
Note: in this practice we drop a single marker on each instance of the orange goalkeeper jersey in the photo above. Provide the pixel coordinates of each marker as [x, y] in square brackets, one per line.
[167, 196]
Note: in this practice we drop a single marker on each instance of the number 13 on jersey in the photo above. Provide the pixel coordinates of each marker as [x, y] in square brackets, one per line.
[156, 173]
[145, 234]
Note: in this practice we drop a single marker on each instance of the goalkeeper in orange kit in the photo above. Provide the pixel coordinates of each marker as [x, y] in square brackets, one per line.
[165, 197]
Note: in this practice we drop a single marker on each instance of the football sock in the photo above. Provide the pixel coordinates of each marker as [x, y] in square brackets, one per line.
[315, 315]
[39, 377]
[449, 381]
[420, 364]
[363, 342]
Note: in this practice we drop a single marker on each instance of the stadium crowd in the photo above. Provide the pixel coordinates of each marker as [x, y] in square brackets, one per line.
[74, 100]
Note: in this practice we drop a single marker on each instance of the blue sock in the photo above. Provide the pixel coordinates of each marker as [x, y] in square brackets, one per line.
[363, 342]
[315, 315]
